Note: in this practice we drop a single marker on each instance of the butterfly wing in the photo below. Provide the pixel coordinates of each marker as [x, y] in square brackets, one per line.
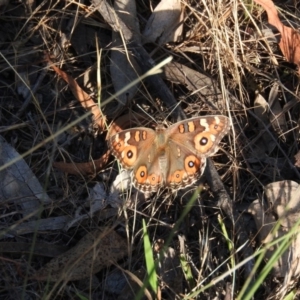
[190, 142]
[137, 149]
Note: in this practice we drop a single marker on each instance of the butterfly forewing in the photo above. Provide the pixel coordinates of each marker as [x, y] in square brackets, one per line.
[129, 145]
[200, 135]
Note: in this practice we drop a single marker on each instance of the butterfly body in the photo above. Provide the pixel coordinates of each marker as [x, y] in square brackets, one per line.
[172, 157]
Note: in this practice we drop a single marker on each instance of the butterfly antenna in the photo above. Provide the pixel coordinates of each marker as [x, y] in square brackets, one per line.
[146, 113]
[172, 111]
[164, 121]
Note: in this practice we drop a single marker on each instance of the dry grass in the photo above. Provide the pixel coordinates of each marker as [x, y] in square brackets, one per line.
[223, 40]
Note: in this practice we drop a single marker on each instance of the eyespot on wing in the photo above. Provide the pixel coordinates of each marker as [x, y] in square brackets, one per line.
[191, 164]
[154, 179]
[129, 156]
[141, 175]
[176, 177]
[204, 141]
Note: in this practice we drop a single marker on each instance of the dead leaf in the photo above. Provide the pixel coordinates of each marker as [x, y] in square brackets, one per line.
[124, 68]
[289, 38]
[165, 23]
[97, 201]
[86, 168]
[96, 250]
[54, 223]
[18, 184]
[85, 100]
[261, 108]
[198, 83]
[280, 196]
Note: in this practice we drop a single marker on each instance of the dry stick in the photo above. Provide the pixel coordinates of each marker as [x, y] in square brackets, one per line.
[140, 54]
[196, 82]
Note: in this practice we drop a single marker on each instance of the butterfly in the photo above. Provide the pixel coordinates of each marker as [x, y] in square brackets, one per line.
[173, 157]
